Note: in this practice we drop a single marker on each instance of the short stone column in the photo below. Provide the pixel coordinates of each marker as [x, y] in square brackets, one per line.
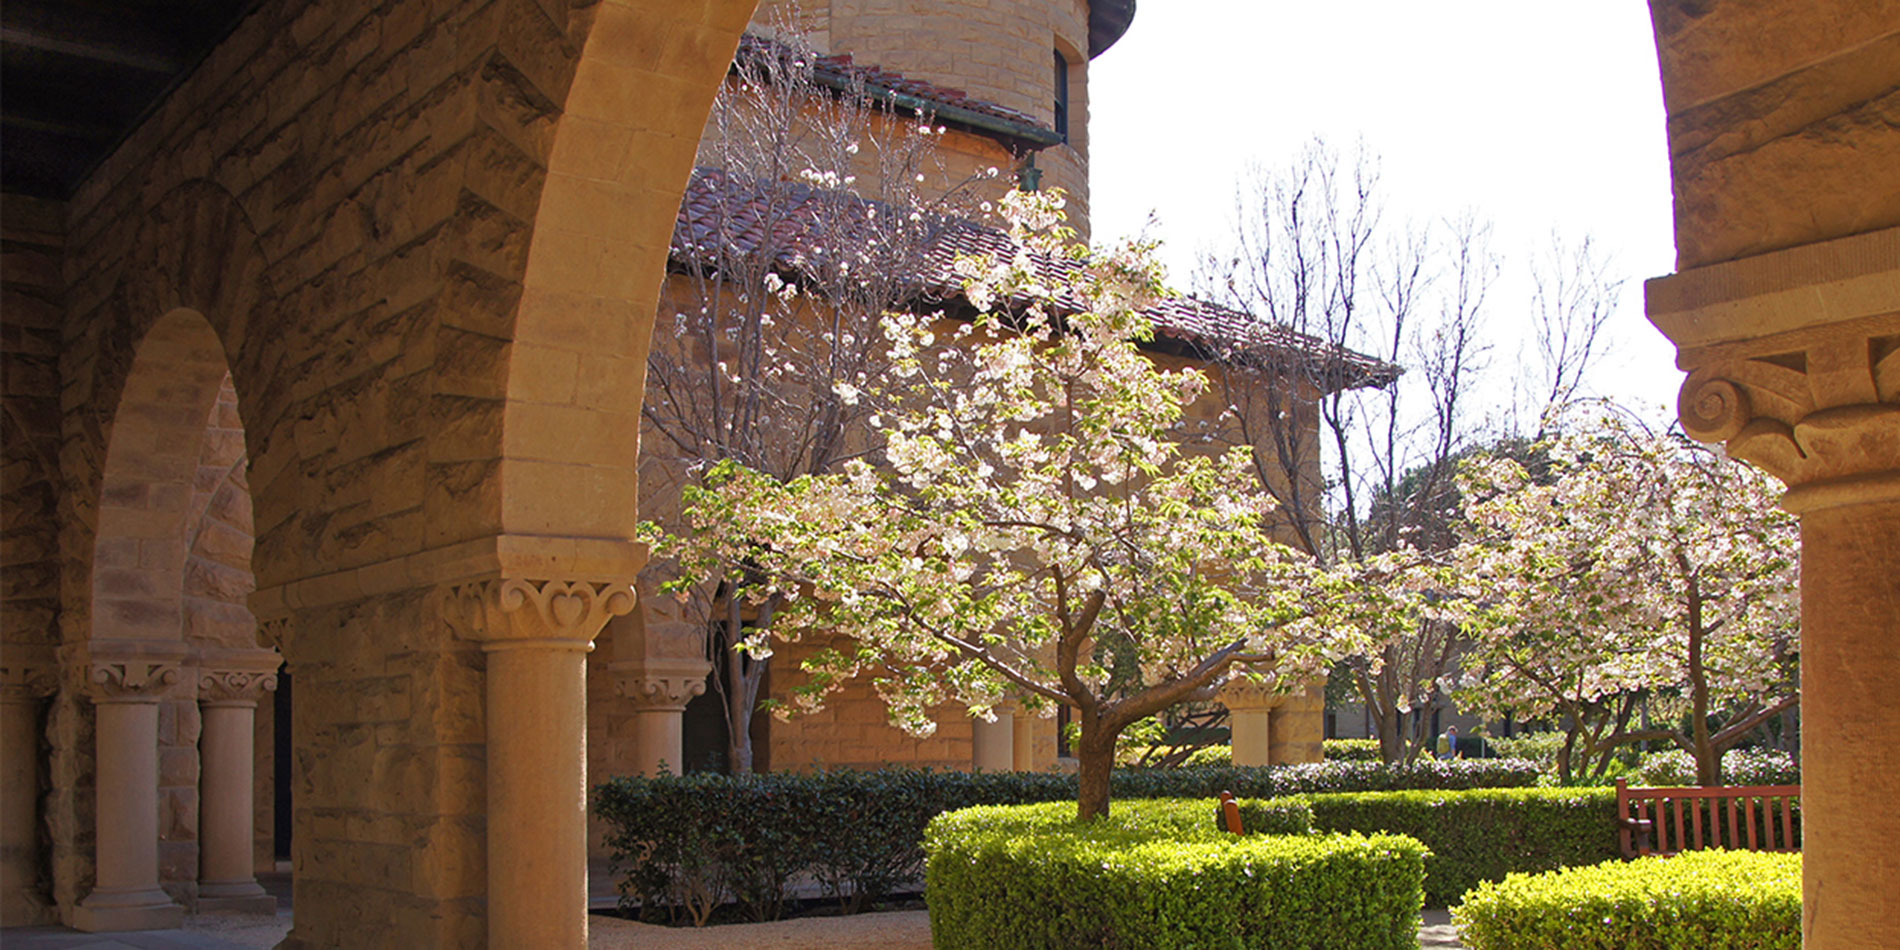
[228, 690]
[993, 742]
[536, 635]
[1023, 743]
[1250, 707]
[1298, 731]
[126, 681]
[660, 688]
[22, 689]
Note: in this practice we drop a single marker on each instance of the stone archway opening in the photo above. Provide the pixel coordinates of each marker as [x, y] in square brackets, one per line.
[173, 665]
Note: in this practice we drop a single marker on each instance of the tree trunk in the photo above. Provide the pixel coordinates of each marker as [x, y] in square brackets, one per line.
[1708, 761]
[1095, 758]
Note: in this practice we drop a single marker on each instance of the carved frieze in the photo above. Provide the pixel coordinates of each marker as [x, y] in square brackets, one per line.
[516, 612]
[1242, 692]
[1819, 410]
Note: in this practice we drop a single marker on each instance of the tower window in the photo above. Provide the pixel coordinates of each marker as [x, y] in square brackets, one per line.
[1062, 96]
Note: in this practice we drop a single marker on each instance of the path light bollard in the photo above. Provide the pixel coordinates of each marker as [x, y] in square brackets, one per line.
[1230, 812]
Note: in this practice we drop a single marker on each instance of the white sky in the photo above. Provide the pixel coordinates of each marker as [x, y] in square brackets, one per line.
[1532, 114]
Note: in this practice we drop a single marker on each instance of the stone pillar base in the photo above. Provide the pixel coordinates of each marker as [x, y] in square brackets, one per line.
[235, 897]
[106, 911]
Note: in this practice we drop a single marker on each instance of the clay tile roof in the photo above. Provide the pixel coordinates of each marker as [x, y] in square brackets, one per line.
[952, 106]
[724, 213]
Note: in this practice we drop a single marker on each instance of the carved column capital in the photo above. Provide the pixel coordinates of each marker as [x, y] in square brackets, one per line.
[130, 680]
[131, 671]
[1245, 693]
[23, 683]
[516, 613]
[1818, 409]
[654, 684]
[237, 677]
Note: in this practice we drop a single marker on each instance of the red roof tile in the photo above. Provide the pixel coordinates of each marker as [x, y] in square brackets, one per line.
[724, 214]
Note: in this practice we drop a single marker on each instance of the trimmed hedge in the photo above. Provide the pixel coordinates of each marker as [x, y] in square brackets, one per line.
[684, 845]
[1034, 878]
[1698, 900]
[1337, 750]
[1482, 835]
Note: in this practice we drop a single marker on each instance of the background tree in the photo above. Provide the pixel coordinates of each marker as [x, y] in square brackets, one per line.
[1314, 254]
[1036, 532]
[812, 212]
[1647, 569]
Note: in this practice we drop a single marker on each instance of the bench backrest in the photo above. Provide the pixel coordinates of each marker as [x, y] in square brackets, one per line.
[1742, 817]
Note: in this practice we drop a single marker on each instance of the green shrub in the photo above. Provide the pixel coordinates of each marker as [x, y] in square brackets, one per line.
[1538, 747]
[1353, 750]
[1212, 755]
[1481, 835]
[1699, 900]
[683, 845]
[1035, 878]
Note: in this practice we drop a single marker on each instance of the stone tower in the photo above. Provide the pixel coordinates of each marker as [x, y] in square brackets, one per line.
[1031, 56]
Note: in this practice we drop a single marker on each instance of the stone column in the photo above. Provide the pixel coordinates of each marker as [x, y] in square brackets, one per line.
[1298, 731]
[1250, 707]
[1023, 743]
[1794, 362]
[993, 743]
[22, 688]
[536, 635]
[228, 690]
[126, 682]
[660, 688]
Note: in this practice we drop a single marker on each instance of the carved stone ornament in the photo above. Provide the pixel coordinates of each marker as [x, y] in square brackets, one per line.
[21, 683]
[515, 613]
[1819, 411]
[234, 687]
[1244, 693]
[661, 683]
[130, 680]
[275, 633]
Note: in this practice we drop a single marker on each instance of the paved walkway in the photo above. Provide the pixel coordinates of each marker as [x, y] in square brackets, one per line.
[898, 930]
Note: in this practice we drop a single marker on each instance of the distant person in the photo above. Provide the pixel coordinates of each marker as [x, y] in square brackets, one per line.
[1448, 744]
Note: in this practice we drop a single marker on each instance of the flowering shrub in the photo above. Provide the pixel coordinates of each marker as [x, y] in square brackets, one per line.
[1739, 767]
[1732, 900]
[1336, 750]
[1036, 878]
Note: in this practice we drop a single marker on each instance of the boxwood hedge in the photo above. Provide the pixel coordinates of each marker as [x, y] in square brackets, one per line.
[685, 845]
[1150, 875]
[1697, 900]
[1483, 834]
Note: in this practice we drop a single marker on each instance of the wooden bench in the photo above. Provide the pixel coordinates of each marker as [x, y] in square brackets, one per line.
[1669, 820]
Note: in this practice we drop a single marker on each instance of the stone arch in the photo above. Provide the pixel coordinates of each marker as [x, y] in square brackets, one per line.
[157, 542]
[152, 496]
[620, 158]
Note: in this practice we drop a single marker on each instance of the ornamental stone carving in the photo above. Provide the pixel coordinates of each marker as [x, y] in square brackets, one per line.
[1818, 409]
[137, 680]
[661, 684]
[1243, 692]
[20, 683]
[513, 613]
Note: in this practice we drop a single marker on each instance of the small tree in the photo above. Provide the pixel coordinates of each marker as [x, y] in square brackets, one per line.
[1645, 569]
[1037, 532]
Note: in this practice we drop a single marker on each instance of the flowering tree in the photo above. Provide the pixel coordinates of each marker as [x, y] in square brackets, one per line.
[1646, 569]
[812, 212]
[1036, 532]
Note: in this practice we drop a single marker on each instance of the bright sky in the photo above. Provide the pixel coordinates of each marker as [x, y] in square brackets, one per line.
[1534, 115]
